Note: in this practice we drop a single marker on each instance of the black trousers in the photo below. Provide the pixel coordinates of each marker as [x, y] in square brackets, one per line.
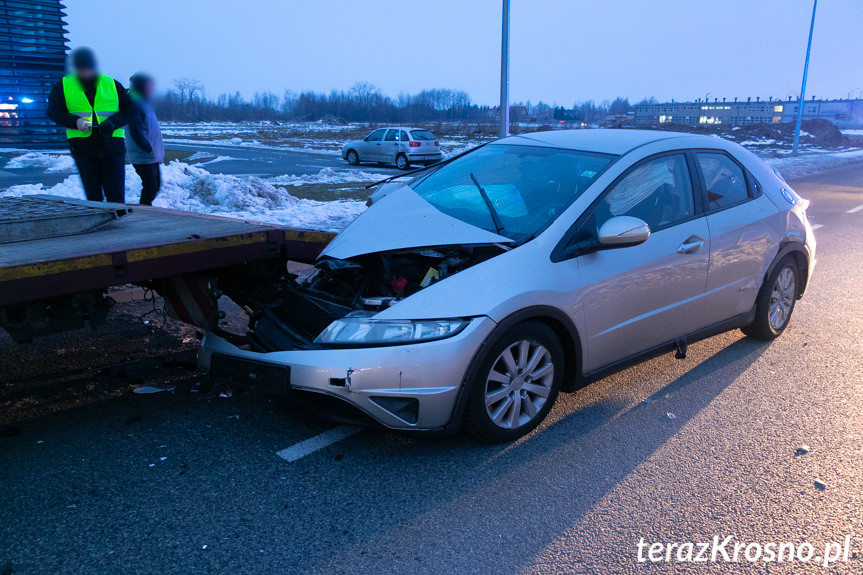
[151, 177]
[104, 178]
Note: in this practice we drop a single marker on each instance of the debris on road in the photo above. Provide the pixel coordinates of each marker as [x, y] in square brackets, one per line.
[151, 389]
[10, 431]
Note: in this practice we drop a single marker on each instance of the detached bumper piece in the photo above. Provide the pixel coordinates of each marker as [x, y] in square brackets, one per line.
[266, 377]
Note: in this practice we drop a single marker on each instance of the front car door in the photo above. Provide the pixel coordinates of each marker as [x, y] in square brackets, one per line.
[741, 238]
[639, 297]
[370, 149]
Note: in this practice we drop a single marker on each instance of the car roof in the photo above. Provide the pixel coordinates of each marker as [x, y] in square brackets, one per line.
[606, 141]
[400, 128]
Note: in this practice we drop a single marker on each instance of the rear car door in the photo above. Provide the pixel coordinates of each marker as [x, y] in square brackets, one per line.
[741, 238]
[390, 146]
[639, 297]
[370, 148]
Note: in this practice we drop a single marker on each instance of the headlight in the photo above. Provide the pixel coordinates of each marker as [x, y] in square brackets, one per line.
[360, 329]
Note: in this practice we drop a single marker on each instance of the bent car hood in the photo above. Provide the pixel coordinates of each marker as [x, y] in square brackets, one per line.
[403, 220]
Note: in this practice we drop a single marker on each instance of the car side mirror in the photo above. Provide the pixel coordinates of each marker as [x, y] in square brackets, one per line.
[617, 232]
[622, 231]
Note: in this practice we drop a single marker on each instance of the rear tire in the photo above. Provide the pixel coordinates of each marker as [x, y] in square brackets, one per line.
[515, 383]
[353, 158]
[775, 302]
[402, 162]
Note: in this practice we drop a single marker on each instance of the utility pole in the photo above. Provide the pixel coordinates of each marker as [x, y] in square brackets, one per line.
[504, 73]
[803, 87]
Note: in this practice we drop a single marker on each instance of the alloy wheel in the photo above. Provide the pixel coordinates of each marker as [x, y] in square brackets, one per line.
[519, 384]
[782, 298]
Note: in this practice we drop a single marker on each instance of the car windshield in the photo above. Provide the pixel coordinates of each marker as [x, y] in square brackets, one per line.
[528, 186]
[424, 135]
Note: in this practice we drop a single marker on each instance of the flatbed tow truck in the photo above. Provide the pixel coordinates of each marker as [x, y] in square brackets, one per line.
[59, 256]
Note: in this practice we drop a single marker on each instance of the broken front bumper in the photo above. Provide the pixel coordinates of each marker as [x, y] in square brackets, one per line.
[412, 386]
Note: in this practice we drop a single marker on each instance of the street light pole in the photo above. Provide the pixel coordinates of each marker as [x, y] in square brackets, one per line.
[803, 87]
[504, 74]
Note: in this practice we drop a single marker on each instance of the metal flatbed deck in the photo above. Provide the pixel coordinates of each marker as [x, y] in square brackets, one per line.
[140, 245]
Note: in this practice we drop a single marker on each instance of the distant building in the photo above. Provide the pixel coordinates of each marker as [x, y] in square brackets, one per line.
[518, 114]
[32, 60]
[844, 113]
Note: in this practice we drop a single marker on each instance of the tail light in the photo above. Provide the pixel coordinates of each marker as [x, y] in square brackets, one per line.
[415, 144]
[436, 143]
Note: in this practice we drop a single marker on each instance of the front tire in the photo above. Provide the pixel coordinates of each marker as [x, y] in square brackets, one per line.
[515, 384]
[402, 162]
[353, 157]
[775, 302]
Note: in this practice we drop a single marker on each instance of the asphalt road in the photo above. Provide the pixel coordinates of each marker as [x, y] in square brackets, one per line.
[273, 162]
[669, 451]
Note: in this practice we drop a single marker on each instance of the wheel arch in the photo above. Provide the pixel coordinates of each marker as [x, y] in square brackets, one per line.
[558, 321]
[800, 254]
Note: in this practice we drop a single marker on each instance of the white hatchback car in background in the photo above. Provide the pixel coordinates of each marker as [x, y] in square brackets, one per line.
[478, 290]
[394, 145]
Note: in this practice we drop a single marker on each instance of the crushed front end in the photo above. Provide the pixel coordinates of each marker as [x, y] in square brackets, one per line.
[319, 334]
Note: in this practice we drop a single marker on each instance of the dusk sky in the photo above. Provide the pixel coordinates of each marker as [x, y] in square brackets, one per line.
[562, 50]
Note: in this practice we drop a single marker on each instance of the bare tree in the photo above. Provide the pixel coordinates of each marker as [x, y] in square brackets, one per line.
[188, 90]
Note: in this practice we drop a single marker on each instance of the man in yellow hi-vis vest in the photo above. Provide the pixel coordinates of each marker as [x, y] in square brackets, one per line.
[93, 108]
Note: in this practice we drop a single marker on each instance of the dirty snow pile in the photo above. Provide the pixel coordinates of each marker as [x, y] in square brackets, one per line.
[812, 162]
[328, 176]
[191, 188]
[52, 163]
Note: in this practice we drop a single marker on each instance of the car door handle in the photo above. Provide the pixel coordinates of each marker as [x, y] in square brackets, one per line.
[691, 245]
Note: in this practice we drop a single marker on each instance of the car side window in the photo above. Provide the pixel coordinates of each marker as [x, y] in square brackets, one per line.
[376, 136]
[392, 136]
[658, 192]
[724, 179]
[755, 189]
[404, 137]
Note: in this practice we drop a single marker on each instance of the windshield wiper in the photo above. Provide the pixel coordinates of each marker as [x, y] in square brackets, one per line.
[494, 217]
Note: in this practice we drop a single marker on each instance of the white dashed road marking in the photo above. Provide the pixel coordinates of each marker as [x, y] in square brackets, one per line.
[816, 226]
[855, 210]
[317, 442]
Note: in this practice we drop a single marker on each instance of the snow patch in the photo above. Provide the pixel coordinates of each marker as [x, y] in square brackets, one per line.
[328, 176]
[53, 163]
[191, 188]
[793, 167]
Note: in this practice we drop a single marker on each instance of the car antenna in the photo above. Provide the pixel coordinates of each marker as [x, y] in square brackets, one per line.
[424, 168]
[494, 217]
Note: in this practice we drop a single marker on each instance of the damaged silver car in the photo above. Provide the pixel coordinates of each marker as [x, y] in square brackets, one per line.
[475, 292]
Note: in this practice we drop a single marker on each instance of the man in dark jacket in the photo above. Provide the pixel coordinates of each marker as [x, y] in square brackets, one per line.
[144, 138]
[93, 108]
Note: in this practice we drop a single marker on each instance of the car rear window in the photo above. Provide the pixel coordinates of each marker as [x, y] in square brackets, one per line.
[423, 135]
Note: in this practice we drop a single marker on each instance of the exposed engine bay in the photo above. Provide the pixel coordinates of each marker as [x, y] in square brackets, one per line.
[309, 298]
